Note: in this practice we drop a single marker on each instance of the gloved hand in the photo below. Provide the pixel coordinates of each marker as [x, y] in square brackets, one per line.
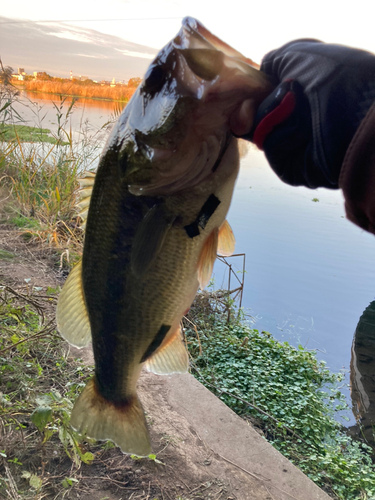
[305, 126]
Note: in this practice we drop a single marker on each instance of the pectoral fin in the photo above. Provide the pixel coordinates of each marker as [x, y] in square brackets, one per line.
[227, 241]
[171, 357]
[207, 259]
[71, 314]
[149, 239]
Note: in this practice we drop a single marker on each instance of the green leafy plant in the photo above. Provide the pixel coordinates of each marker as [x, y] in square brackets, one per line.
[33, 363]
[290, 395]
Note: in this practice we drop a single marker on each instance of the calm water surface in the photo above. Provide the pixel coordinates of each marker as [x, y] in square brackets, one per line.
[88, 116]
[310, 273]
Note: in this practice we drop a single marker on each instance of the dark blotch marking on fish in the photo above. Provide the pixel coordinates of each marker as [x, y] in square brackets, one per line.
[207, 210]
[164, 329]
[192, 229]
[155, 79]
[204, 215]
[123, 405]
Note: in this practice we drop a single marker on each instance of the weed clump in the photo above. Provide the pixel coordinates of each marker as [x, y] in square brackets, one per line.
[40, 170]
[39, 384]
[287, 393]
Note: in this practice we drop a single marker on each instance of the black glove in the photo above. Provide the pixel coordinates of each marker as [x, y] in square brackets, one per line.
[305, 126]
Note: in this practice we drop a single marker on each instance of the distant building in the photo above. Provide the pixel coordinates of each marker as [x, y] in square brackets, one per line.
[83, 78]
[21, 71]
[16, 76]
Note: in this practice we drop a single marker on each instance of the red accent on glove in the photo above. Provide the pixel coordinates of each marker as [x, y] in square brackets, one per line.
[275, 117]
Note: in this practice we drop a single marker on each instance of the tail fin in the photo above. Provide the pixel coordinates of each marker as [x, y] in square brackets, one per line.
[101, 419]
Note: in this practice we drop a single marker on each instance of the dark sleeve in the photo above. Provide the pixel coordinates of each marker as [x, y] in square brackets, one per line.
[357, 178]
[339, 86]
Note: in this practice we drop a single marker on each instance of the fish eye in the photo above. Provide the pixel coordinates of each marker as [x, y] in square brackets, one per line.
[154, 79]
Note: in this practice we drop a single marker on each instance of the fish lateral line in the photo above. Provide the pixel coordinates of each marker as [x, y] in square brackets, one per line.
[204, 216]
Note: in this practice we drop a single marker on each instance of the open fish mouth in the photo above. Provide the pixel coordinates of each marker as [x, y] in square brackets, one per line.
[193, 35]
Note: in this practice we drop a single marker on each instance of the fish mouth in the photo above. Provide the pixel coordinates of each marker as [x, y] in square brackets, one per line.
[200, 80]
[194, 35]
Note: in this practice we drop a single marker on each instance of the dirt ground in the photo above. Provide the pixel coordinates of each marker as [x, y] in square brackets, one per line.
[187, 468]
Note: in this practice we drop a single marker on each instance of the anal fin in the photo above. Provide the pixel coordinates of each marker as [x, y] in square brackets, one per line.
[171, 357]
[71, 315]
[226, 240]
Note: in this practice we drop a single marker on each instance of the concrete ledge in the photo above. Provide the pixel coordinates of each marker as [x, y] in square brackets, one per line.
[258, 471]
[211, 443]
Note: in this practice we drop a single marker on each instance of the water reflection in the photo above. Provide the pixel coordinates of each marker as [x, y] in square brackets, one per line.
[85, 102]
[88, 116]
[362, 375]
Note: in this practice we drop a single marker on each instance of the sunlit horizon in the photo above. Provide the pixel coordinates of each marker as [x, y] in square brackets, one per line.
[251, 29]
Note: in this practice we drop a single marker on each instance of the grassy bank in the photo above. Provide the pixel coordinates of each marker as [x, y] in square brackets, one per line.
[284, 391]
[38, 385]
[40, 172]
[118, 93]
[24, 133]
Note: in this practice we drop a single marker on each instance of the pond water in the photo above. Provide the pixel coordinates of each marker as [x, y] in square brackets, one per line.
[310, 273]
[88, 115]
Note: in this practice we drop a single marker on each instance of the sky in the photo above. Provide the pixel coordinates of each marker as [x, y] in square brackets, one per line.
[93, 37]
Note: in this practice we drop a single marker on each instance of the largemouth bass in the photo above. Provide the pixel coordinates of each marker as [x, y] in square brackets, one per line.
[155, 223]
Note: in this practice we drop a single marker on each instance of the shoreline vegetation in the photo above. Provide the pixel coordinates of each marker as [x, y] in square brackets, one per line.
[75, 88]
[25, 133]
[283, 391]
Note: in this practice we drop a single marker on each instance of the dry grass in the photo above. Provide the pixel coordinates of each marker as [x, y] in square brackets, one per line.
[42, 181]
[118, 93]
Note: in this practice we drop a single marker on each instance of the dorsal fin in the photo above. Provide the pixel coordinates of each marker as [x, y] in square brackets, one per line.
[226, 240]
[86, 183]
